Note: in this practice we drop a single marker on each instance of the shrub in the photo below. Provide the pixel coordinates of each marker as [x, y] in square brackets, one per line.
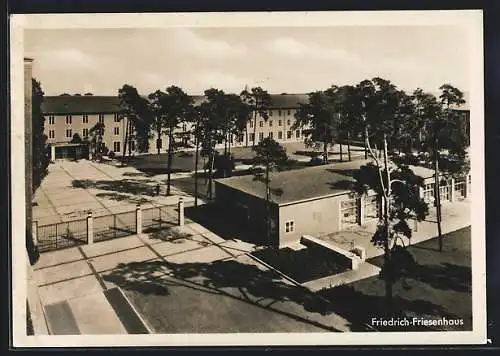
[111, 155]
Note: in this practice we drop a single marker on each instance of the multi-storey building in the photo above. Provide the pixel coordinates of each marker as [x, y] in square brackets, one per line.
[68, 115]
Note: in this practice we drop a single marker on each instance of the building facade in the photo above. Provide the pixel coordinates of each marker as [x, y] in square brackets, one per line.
[314, 201]
[67, 115]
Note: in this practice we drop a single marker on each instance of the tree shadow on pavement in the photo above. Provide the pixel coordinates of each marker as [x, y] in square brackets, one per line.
[243, 282]
[123, 197]
[131, 186]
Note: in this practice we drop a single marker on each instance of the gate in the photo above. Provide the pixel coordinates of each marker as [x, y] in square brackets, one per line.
[109, 227]
[61, 235]
[159, 217]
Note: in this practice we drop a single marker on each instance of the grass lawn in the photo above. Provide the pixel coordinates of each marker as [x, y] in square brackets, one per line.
[438, 287]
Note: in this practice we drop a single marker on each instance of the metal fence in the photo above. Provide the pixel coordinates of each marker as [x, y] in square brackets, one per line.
[160, 217]
[62, 235]
[109, 227]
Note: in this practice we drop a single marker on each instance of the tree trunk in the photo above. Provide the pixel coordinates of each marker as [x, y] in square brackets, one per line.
[437, 197]
[325, 152]
[196, 172]
[348, 147]
[268, 198]
[169, 159]
[246, 137]
[210, 173]
[341, 158]
[129, 137]
[254, 129]
[387, 251]
[126, 139]
[366, 148]
[158, 149]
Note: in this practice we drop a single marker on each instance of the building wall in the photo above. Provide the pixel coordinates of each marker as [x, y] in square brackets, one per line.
[57, 131]
[278, 125]
[316, 217]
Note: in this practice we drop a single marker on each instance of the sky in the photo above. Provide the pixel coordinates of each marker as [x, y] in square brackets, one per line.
[279, 59]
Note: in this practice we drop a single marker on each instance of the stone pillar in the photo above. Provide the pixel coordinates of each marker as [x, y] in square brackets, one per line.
[34, 234]
[52, 153]
[361, 210]
[452, 193]
[181, 212]
[90, 229]
[421, 192]
[466, 187]
[138, 219]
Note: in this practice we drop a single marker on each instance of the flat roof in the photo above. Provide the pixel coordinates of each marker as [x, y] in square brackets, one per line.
[307, 183]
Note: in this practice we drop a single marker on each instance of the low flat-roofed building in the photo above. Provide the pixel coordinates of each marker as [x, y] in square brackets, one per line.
[312, 201]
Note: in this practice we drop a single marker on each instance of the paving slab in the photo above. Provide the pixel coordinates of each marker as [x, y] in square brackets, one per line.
[108, 262]
[170, 248]
[213, 237]
[68, 289]
[61, 272]
[60, 319]
[204, 255]
[58, 257]
[111, 246]
[94, 315]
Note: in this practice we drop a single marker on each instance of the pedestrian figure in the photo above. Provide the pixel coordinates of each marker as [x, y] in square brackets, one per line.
[158, 189]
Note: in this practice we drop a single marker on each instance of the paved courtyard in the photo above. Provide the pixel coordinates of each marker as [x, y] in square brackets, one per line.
[197, 282]
[71, 189]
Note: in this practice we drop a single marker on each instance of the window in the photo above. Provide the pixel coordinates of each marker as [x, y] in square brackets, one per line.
[116, 146]
[52, 134]
[251, 123]
[239, 138]
[68, 133]
[289, 112]
[51, 120]
[101, 118]
[270, 123]
[251, 137]
[279, 122]
[68, 119]
[184, 127]
[270, 113]
[261, 123]
[297, 134]
[116, 130]
[288, 122]
[289, 226]
[279, 112]
[289, 134]
[280, 135]
[271, 134]
[261, 136]
[349, 211]
[116, 118]
[85, 132]
[85, 119]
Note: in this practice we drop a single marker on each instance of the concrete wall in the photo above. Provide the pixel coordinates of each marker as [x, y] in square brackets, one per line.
[316, 217]
[244, 208]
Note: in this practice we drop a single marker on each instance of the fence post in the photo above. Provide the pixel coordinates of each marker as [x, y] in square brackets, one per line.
[34, 232]
[181, 212]
[452, 194]
[361, 210]
[138, 219]
[90, 228]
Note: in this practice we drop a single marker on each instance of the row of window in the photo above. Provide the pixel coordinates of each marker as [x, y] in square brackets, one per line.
[85, 132]
[289, 135]
[270, 123]
[85, 119]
